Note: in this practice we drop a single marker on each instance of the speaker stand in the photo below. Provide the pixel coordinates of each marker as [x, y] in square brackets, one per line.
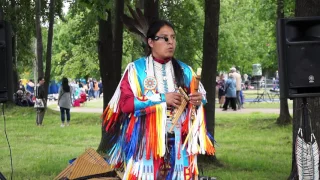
[262, 96]
[2, 177]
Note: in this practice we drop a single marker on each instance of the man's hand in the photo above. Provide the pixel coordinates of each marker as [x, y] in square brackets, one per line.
[173, 99]
[195, 98]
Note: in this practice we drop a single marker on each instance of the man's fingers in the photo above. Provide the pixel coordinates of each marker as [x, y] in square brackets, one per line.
[175, 105]
[177, 102]
[178, 95]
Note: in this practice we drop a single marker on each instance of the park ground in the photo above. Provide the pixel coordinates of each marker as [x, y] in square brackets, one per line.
[249, 144]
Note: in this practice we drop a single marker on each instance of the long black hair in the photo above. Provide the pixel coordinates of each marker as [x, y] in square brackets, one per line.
[65, 85]
[152, 31]
[40, 78]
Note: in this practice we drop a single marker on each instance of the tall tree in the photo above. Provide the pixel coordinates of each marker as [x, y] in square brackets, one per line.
[75, 44]
[49, 46]
[1, 12]
[303, 9]
[110, 58]
[39, 39]
[151, 10]
[106, 66]
[117, 43]
[210, 58]
[284, 117]
[14, 45]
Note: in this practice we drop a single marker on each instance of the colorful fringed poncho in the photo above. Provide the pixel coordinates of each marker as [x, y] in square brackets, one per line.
[143, 144]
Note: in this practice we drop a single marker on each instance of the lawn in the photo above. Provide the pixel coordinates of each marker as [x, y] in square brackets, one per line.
[250, 146]
[43, 152]
[98, 103]
[95, 103]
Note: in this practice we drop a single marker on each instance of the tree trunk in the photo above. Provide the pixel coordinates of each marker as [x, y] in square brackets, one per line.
[39, 39]
[117, 45]
[35, 62]
[284, 117]
[140, 4]
[151, 10]
[106, 71]
[280, 9]
[49, 47]
[1, 11]
[14, 47]
[305, 8]
[210, 60]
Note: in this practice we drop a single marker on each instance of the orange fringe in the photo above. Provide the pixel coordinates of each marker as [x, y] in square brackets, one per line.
[130, 128]
[210, 148]
[104, 115]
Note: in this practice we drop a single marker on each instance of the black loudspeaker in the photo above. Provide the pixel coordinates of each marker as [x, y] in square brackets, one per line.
[298, 44]
[5, 61]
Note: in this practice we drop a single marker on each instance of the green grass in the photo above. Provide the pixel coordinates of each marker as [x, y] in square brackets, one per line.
[261, 105]
[96, 103]
[251, 146]
[254, 93]
[43, 152]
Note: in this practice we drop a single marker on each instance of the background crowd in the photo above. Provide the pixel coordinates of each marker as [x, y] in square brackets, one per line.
[82, 90]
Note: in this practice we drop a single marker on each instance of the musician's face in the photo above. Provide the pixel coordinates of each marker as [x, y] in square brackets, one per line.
[164, 44]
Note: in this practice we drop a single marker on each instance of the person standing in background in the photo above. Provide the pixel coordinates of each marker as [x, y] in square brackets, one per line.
[90, 89]
[64, 101]
[30, 88]
[96, 89]
[21, 86]
[40, 95]
[100, 88]
[237, 77]
[246, 81]
[221, 90]
[230, 89]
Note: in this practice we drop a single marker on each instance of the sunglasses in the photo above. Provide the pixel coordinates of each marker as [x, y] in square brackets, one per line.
[166, 39]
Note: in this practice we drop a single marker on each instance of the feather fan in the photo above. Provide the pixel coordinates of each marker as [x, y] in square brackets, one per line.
[137, 23]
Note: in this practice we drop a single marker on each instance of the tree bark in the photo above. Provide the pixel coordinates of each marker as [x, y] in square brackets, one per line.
[140, 4]
[151, 10]
[284, 117]
[280, 9]
[110, 58]
[49, 47]
[35, 62]
[106, 71]
[210, 58]
[1, 12]
[304, 9]
[39, 39]
[14, 46]
[117, 44]
[210, 61]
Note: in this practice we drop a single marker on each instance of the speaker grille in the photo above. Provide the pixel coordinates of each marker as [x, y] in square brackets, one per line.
[298, 43]
[303, 65]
